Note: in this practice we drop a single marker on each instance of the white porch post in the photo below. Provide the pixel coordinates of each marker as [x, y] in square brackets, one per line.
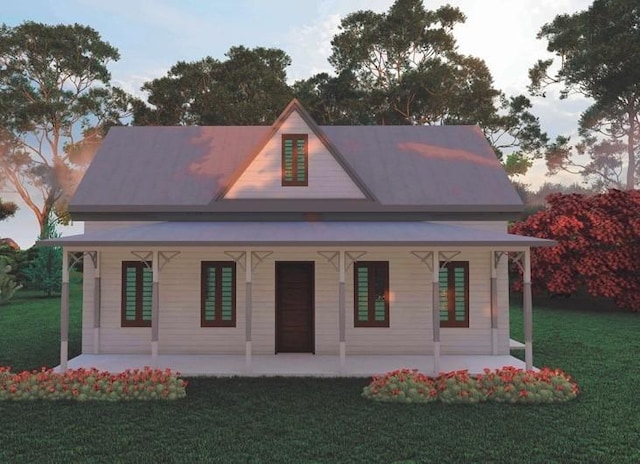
[248, 309]
[342, 310]
[435, 310]
[494, 303]
[528, 313]
[64, 313]
[96, 304]
[155, 307]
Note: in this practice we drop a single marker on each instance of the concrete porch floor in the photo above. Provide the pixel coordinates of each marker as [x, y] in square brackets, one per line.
[286, 364]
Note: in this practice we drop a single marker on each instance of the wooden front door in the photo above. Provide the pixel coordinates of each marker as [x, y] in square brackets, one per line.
[294, 307]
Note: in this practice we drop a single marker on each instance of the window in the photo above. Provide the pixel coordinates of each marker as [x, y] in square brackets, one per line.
[454, 294]
[218, 290]
[137, 285]
[371, 285]
[295, 157]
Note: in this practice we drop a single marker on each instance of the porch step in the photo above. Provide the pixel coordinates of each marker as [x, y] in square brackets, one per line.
[515, 344]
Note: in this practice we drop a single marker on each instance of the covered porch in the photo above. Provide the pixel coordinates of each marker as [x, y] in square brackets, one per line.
[292, 364]
[339, 244]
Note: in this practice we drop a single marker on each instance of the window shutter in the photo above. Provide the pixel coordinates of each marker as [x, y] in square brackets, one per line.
[210, 294]
[362, 293]
[444, 294]
[130, 293]
[226, 294]
[218, 294]
[287, 160]
[301, 161]
[147, 292]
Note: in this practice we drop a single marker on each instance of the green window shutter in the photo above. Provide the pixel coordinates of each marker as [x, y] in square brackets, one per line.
[454, 294]
[287, 160]
[444, 294]
[210, 294]
[147, 293]
[371, 288]
[301, 161]
[362, 292]
[130, 293]
[460, 297]
[218, 294]
[226, 296]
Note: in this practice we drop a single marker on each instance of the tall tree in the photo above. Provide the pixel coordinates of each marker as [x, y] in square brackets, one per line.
[54, 89]
[405, 68]
[248, 88]
[599, 58]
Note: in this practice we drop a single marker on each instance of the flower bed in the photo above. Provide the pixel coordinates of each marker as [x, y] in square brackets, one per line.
[506, 385]
[91, 385]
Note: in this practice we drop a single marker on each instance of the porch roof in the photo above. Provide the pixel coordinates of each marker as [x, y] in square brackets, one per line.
[301, 233]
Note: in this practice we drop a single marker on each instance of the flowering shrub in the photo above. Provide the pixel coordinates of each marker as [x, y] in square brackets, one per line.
[403, 385]
[506, 385]
[511, 385]
[91, 384]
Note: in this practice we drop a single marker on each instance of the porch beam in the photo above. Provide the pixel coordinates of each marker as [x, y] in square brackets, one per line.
[494, 302]
[96, 303]
[528, 311]
[435, 310]
[342, 324]
[64, 313]
[248, 308]
[155, 307]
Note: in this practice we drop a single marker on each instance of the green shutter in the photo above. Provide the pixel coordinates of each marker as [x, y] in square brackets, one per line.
[444, 294]
[287, 168]
[210, 294]
[301, 174]
[147, 292]
[130, 293]
[362, 293]
[380, 288]
[227, 293]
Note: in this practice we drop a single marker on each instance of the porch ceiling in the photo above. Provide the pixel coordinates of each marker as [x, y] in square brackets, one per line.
[319, 233]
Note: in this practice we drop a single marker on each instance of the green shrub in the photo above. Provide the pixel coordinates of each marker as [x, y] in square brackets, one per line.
[91, 384]
[506, 385]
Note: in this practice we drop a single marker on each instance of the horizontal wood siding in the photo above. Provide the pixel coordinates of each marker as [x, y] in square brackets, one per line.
[263, 178]
[410, 330]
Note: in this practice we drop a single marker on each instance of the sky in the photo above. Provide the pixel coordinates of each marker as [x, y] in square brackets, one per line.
[152, 35]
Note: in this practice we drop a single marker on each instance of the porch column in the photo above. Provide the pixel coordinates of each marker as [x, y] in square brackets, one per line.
[248, 309]
[494, 303]
[435, 310]
[341, 310]
[528, 313]
[155, 308]
[96, 304]
[64, 313]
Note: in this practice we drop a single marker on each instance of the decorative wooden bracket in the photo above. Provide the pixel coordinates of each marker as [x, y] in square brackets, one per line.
[165, 256]
[351, 257]
[257, 257]
[144, 257]
[332, 258]
[239, 257]
[425, 257]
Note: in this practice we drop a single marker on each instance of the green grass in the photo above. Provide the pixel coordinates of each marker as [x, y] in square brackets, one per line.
[278, 420]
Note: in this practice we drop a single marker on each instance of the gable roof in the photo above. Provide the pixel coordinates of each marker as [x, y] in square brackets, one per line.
[295, 105]
[187, 169]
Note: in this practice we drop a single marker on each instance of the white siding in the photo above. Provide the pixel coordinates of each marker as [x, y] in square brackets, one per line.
[410, 330]
[263, 177]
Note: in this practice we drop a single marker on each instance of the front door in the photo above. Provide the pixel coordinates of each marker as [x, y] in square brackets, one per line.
[294, 307]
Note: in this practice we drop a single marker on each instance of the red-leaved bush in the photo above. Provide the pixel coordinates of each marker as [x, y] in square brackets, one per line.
[598, 246]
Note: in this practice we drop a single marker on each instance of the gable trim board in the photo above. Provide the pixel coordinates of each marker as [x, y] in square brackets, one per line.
[273, 137]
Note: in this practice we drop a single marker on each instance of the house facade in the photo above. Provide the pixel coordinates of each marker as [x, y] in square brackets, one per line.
[294, 238]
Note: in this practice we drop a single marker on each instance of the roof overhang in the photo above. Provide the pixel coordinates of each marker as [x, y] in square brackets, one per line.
[300, 233]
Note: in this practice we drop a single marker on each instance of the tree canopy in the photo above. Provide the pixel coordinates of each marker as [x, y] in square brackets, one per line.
[403, 67]
[7, 209]
[54, 89]
[598, 247]
[599, 58]
[250, 87]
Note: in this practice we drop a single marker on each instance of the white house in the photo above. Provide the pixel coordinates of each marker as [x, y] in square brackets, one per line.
[359, 248]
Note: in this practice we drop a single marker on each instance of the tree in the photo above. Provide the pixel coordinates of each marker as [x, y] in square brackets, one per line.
[7, 209]
[598, 246]
[45, 271]
[248, 88]
[54, 89]
[599, 58]
[403, 67]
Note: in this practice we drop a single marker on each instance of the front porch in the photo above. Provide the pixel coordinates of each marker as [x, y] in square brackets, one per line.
[286, 364]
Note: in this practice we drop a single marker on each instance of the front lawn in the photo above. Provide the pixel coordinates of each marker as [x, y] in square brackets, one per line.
[275, 420]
